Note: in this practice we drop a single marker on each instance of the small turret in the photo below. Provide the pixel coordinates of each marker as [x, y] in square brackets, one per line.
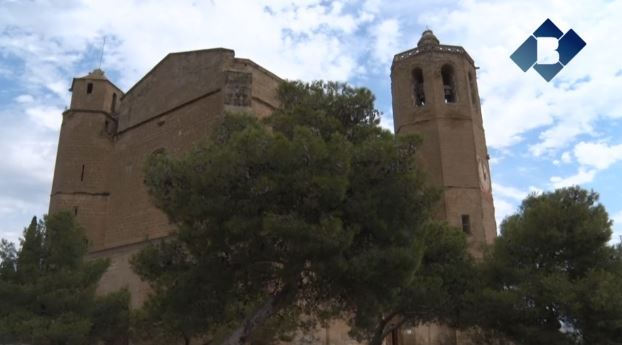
[85, 149]
[428, 39]
[95, 92]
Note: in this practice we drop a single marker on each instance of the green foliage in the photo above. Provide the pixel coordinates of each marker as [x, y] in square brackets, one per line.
[446, 274]
[187, 296]
[328, 108]
[8, 259]
[47, 289]
[316, 212]
[440, 290]
[551, 277]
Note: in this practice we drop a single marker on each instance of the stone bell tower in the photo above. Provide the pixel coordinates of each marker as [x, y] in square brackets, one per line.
[435, 95]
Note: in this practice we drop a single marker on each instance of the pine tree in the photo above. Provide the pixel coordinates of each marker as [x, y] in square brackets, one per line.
[47, 289]
[552, 277]
[315, 213]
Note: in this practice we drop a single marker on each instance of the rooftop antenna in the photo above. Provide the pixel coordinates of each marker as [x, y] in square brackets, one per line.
[101, 56]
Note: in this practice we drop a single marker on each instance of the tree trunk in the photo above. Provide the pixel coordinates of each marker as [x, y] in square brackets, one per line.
[241, 335]
[381, 331]
[385, 327]
[378, 337]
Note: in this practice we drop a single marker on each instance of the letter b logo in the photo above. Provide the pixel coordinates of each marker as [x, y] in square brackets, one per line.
[547, 51]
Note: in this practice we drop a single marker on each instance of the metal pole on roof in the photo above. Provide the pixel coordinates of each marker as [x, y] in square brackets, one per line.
[101, 56]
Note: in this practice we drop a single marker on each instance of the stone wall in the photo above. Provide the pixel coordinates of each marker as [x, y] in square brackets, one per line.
[175, 106]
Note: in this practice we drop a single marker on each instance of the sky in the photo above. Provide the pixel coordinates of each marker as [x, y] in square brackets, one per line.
[541, 135]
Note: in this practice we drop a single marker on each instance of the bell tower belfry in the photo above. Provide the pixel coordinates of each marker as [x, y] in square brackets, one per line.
[435, 95]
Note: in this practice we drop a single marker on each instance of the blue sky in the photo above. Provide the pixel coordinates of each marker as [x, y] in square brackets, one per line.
[540, 135]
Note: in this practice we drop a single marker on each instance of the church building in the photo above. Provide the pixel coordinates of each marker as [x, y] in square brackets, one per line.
[107, 134]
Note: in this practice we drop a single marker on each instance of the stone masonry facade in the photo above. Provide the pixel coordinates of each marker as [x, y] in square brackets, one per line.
[107, 134]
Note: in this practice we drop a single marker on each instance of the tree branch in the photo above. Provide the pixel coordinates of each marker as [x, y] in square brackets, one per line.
[241, 335]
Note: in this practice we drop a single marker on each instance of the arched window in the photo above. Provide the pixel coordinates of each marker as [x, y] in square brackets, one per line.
[449, 84]
[473, 88]
[89, 88]
[113, 107]
[418, 92]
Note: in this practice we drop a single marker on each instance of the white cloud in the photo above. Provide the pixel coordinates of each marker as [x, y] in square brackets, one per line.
[597, 155]
[24, 99]
[46, 116]
[559, 136]
[19, 212]
[33, 157]
[592, 158]
[495, 160]
[565, 158]
[29, 151]
[581, 177]
[503, 209]
[509, 192]
[372, 6]
[386, 35]
[307, 39]
[10, 205]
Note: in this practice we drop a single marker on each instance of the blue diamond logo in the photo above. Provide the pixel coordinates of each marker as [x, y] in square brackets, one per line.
[568, 46]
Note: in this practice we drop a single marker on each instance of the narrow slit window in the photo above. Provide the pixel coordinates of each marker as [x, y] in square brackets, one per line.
[449, 84]
[418, 91]
[75, 210]
[113, 106]
[466, 224]
[82, 174]
[89, 88]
